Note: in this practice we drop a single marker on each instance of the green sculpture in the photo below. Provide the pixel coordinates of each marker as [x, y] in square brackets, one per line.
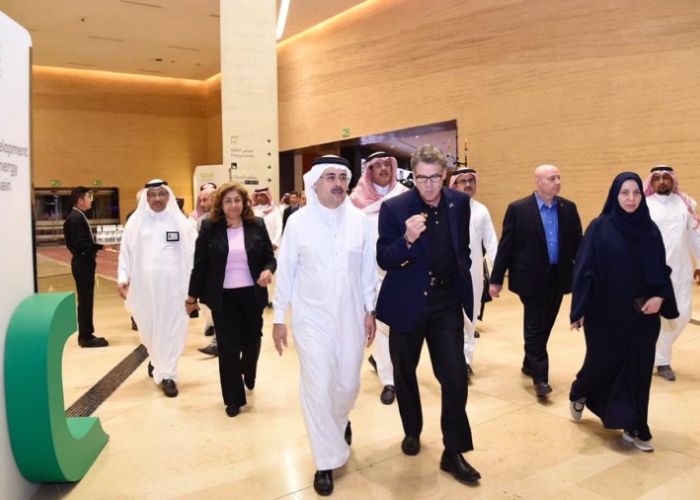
[48, 447]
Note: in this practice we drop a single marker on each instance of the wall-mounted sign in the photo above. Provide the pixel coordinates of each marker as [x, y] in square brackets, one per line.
[55, 183]
[346, 132]
[97, 182]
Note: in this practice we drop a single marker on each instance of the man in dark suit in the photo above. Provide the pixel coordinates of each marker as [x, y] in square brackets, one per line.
[424, 247]
[293, 207]
[541, 234]
[82, 246]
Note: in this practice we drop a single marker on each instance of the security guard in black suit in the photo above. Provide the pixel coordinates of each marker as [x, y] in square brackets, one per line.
[82, 246]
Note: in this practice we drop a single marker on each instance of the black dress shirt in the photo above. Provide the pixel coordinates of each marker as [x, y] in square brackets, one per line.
[443, 263]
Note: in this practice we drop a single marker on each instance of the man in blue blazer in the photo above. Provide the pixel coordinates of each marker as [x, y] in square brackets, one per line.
[540, 238]
[423, 246]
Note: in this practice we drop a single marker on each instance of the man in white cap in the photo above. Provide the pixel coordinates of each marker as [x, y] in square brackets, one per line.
[264, 207]
[482, 235]
[379, 183]
[327, 273]
[155, 262]
[674, 212]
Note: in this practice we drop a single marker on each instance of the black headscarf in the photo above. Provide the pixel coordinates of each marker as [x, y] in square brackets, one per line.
[637, 224]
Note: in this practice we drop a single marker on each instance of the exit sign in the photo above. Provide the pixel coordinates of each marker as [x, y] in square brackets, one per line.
[346, 132]
[55, 183]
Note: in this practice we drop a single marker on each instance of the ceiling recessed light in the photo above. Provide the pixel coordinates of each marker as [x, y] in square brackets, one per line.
[159, 59]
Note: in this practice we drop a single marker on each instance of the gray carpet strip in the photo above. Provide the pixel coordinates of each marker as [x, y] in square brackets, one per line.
[97, 394]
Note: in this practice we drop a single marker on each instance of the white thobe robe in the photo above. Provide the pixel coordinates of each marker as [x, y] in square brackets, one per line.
[482, 235]
[327, 272]
[158, 288]
[380, 347]
[682, 242]
[273, 222]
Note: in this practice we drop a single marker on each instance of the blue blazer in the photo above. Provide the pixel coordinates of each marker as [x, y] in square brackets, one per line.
[405, 287]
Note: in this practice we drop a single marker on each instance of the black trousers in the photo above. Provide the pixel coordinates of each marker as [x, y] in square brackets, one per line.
[238, 326]
[442, 327]
[538, 319]
[83, 269]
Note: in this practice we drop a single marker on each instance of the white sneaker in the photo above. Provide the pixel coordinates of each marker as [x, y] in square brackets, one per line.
[576, 408]
[640, 444]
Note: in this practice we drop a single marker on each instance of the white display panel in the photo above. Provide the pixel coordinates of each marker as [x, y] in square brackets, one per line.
[16, 251]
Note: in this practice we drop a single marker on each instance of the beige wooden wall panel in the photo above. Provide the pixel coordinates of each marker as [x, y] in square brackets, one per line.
[123, 130]
[593, 87]
[213, 109]
[249, 92]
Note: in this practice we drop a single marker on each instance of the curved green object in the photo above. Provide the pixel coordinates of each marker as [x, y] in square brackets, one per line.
[48, 447]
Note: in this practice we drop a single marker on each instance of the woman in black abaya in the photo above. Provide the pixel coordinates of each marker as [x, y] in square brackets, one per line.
[621, 285]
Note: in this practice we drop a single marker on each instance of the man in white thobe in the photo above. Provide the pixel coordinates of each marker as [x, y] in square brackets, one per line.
[379, 183]
[155, 261]
[326, 271]
[674, 212]
[482, 235]
[264, 207]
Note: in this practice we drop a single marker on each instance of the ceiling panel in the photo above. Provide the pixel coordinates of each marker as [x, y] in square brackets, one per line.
[129, 36]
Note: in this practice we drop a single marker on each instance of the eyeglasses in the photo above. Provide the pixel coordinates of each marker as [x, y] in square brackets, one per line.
[464, 182]
[332, 178]
[425, 179]
[380, 164]
[157, 194]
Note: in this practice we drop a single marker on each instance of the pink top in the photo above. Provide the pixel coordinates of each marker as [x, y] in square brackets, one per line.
[237, 271]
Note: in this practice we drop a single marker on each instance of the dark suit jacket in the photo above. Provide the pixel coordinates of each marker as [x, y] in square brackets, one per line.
[522, 249]
[211, 253]
[76, 231]
[404, 290]
[287, 212]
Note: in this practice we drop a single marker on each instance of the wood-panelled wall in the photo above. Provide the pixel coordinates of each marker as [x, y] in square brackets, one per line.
[593, 87]
[120, 129]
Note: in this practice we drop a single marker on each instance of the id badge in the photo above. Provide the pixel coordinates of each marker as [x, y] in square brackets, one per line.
[172, 236]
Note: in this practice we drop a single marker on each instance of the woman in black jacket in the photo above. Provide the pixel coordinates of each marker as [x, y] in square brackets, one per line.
[233, 265]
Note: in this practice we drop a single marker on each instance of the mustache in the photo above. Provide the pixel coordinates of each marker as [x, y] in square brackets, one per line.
[337, 190]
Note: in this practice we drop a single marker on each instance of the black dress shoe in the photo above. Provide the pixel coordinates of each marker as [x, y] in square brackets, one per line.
[323, 482]
[388, 394]
[542, 389]
[476, 334]
[460, 469]
[233, 410]
[348, 434]
[93, 342]
[134, 326]
[209, 331]
[372, 362]
[526, 371]
[169, 388]
[211, 350]
[249, 382]
[150, 369]
[470, 372]
[410, 445]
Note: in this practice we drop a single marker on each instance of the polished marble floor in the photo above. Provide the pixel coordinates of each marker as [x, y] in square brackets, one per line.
[188, 448]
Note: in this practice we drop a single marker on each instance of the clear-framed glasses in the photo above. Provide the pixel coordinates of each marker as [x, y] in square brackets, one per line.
[381, 163]
[332, 178]
[466, 182]
[157, 194]
[425, 179]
